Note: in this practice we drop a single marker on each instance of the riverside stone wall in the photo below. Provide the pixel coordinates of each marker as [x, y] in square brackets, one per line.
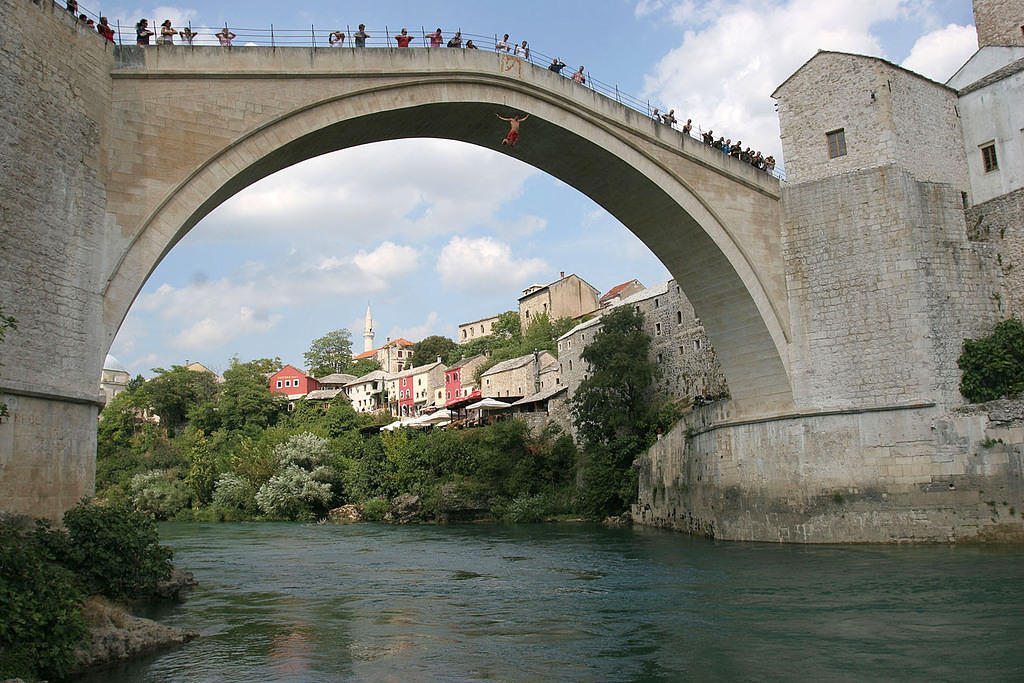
[54, 73]
[912, 475]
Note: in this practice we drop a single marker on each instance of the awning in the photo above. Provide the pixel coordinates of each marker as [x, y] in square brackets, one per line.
[458, 401]
[488, 404]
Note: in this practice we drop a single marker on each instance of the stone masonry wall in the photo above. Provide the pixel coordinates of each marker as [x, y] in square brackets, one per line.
[890, 476]
[54, 74]
[884, 286]
[884, 112]
[1000, 223]
[999, 22]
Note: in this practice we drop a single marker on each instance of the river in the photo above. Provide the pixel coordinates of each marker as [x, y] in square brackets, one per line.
[290, 602]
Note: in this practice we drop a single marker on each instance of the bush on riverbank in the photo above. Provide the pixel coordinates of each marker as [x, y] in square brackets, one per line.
[994, 366]
[46, 573]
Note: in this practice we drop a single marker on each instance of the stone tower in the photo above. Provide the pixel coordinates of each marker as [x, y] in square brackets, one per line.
[368, 330]
[999, 22]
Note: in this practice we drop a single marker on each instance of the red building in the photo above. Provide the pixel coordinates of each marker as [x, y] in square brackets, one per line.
[406, 401]
[292, 382]
[459, 384]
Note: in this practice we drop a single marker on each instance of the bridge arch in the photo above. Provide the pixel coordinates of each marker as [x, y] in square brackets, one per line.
[696, 219]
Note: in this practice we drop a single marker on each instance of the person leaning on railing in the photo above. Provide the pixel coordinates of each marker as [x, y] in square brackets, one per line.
[361, 35]
[456, 40]
[142, 32]
[225, 36]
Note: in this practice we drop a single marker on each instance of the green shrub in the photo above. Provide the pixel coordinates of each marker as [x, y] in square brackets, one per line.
[305, 450]
[159, 492]
[41, 608]
[234, 493]
[114, 550]
[529, 509]
[294, 494]
[374, 509]
[994, 366]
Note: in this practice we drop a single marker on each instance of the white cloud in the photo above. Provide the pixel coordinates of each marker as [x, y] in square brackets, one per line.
[940, 53]
[718, 80]
[484, 264]
[647, 7]
[417, 332]
[252, 299]
[411, 189]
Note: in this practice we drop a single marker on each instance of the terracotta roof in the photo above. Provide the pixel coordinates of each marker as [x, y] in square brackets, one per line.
[366, 354]
[615, 290]
[372, 352]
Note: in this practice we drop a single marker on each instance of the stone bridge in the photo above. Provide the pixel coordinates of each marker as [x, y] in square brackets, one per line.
[111, 155]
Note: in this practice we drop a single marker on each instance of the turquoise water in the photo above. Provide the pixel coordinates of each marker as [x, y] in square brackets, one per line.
[287, 602]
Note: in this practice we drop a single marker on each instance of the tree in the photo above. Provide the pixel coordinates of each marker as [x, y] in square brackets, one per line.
[172, 393]
[246, 403]
[330, 353]
[265, 365]
[430, 349]
[994, 366]
[611, 411]
[362, 366]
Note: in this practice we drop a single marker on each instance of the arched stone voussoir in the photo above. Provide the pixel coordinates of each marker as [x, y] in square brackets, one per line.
[674, 203]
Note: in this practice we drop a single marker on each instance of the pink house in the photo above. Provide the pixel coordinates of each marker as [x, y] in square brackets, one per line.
[292, 382]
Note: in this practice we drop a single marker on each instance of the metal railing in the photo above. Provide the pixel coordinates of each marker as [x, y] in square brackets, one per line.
[275, 36]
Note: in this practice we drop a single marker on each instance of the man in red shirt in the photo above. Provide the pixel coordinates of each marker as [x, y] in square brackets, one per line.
[403, 39]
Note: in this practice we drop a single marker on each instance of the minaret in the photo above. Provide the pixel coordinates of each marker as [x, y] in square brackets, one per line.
[368, 331]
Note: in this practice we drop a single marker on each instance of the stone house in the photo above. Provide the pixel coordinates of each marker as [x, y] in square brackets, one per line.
[568, 297]
[516, 377]
[620, 292]
[476, 329]
[366, 392]
[846, 112]
[686, 366]
[113, 382]
[394, 356]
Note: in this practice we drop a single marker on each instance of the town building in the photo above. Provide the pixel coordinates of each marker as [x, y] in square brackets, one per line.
[368, 330]
[620, 292]
[394, 356]
[568, 297]
[292, 382]
[366, 393]
[475, 330]
[686, 366]
[113, 382]
[196, 366]
[516, 377]
[460, 385]
[411, 391]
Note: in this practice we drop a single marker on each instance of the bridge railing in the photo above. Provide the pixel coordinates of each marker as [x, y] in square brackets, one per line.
[380, 37]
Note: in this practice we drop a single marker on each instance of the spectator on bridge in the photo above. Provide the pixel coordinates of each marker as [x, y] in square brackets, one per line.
[225, 36]
[502, 45]
[73, 6]
[142, 32]
[769, 164]
[688, 127]
[670, 117]
[709, 138]
[435, 38]
[188, 34]
[736, 149]
[105, 30]
[724, 145]
[403, 39]
[337, 38]
[82, 19]
[657, 115]
[456, 40]
[522, 51]
[579, 77]
[471, 46]
[167, 33]
[361, 35]
[556, 65]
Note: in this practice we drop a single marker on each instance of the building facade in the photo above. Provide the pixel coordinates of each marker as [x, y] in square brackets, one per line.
[412, 390]
[394, 356]
[516, 377]
[113, 382]
[475, 330]
[292, 382]
[620, 292]
[366, 393]
[568, 297]
[460, 382]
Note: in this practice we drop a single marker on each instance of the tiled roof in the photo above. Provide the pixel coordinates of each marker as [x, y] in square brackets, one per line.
[336, 378]
[618, 288]
[541, 396]
[465, 361]
[371, 376]
[324, 394]
[417, 370]
[513, 363]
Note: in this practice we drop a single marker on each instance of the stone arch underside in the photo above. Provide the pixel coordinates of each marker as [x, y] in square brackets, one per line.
[723, 281]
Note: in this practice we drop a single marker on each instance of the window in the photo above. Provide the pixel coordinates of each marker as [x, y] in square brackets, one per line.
[570, 365]
[988, 157]
[279, 384]
[836, 143]
[481, 329]
[657, 303]
[568, 343]
[659, 359]
[657, 328]
[682, 350]
[463, 334]
[696, 344]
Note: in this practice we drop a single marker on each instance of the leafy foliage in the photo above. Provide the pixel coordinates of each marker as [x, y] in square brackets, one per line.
[363, 366]
[611, 411]
[330, 353]
[173, 393]
[431, 348]
[159, 493]
[993, 366]
[234, 493]
[294, 494]
[41, 604]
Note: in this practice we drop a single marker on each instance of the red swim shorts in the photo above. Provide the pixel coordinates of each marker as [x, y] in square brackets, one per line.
[512, 137]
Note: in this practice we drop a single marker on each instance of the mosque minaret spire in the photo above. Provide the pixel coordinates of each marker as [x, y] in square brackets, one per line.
[368, 330]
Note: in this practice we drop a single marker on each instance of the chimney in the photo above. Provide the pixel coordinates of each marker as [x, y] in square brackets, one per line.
[536, 371]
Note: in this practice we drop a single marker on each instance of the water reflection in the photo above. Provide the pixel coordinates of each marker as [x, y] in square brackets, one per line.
[574, 602]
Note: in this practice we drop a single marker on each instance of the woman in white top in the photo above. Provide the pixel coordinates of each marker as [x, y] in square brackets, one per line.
[225, 36]
[167, 33]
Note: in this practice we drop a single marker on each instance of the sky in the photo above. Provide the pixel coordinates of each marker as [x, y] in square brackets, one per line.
[433, 233]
